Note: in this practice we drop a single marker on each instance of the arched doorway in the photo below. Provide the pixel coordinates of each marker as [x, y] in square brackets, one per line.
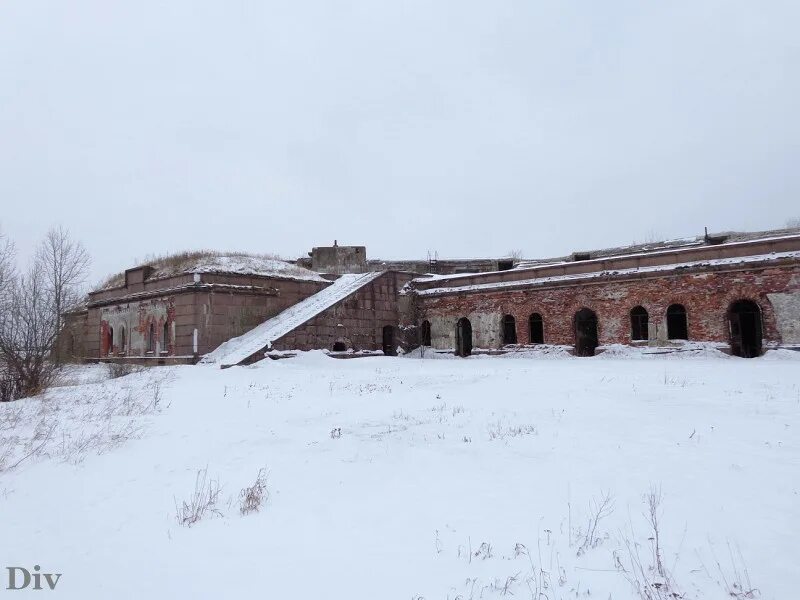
[110, 341]
[425, 333]
[536, 328]
[389, 347]
[744, 318]
[677, 326]
[509, 330]
[339, 346]
[585, 332]
[639, 320]
[463, 337]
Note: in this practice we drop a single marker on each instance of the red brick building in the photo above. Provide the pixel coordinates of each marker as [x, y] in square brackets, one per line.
[741, 291]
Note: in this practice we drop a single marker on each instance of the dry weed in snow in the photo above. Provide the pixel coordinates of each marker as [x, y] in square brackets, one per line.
[70, 422]
[252, 497]
[202, 502]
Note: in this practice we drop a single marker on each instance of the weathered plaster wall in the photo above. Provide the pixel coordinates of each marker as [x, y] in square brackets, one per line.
[706, 296]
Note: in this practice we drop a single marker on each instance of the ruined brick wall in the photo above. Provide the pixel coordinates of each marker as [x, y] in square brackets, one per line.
[225, 314]
[357, 321]
[71, 341]
[707, 297]
[199, 314]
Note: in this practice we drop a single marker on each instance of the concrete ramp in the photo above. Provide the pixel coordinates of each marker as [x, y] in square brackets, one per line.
[260, 338]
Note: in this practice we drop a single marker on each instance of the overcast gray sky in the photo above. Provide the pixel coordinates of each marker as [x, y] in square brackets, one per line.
[467, 128]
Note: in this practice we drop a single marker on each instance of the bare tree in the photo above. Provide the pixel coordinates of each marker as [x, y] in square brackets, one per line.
[27, 332]
[64, 263]
[31, 307]
[795, 222]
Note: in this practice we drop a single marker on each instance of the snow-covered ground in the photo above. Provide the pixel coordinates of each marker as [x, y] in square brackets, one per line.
[412, 478]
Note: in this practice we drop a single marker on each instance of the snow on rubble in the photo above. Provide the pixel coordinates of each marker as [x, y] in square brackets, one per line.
[261, 337]
[409, 478]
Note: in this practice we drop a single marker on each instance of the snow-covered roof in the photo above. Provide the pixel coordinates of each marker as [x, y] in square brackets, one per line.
[556, 279]
[261, 265]
[261, 337]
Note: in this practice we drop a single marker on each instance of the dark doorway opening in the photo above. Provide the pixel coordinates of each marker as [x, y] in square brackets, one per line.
[536, 328]
[389, 347]
[677, 327]
[585, 332]
[639, 319]
[425, 333]
[744, 317]
[463, 337]
[339, 346]
[110, 341]
[509, 330]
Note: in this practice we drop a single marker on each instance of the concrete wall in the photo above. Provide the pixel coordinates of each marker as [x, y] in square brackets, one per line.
[706, 296]
[339, 259]
[357, 321]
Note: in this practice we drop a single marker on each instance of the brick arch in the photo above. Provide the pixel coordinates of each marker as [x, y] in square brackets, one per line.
[768, 321]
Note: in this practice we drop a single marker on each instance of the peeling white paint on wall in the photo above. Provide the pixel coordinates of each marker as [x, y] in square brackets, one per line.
[787, 315]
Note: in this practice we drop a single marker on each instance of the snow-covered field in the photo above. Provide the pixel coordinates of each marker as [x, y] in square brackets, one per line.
[411, 478]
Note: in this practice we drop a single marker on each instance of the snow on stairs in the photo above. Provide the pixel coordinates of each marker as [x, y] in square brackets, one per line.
[239, 349]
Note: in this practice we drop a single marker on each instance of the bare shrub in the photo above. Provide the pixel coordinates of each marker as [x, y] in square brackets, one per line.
[598, 510]
[117, 370]
[202, 502]
[252, 497]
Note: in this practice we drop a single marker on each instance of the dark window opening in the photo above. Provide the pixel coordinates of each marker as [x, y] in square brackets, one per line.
[585, 332]
[110, 340]
[165, 337]
[151, 338]
[677, 327]
[639, 320]
[122, 340]
[509, 330]
[425, 333]
[744, 319]
[389, 348]
[463, 337]
[581, 256]
[505, 265]
[339, 346]
[536, 328]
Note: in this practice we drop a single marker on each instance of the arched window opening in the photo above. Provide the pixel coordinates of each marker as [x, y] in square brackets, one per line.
[463, 337]
[536, 328]
[122, 340]
[165, 337]
[110, 340]
[151, 338]
[425, 333]
[744, 321]
[389, 347]
[677, 327]
[585, 332]
[509, 330]
[639, 320]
